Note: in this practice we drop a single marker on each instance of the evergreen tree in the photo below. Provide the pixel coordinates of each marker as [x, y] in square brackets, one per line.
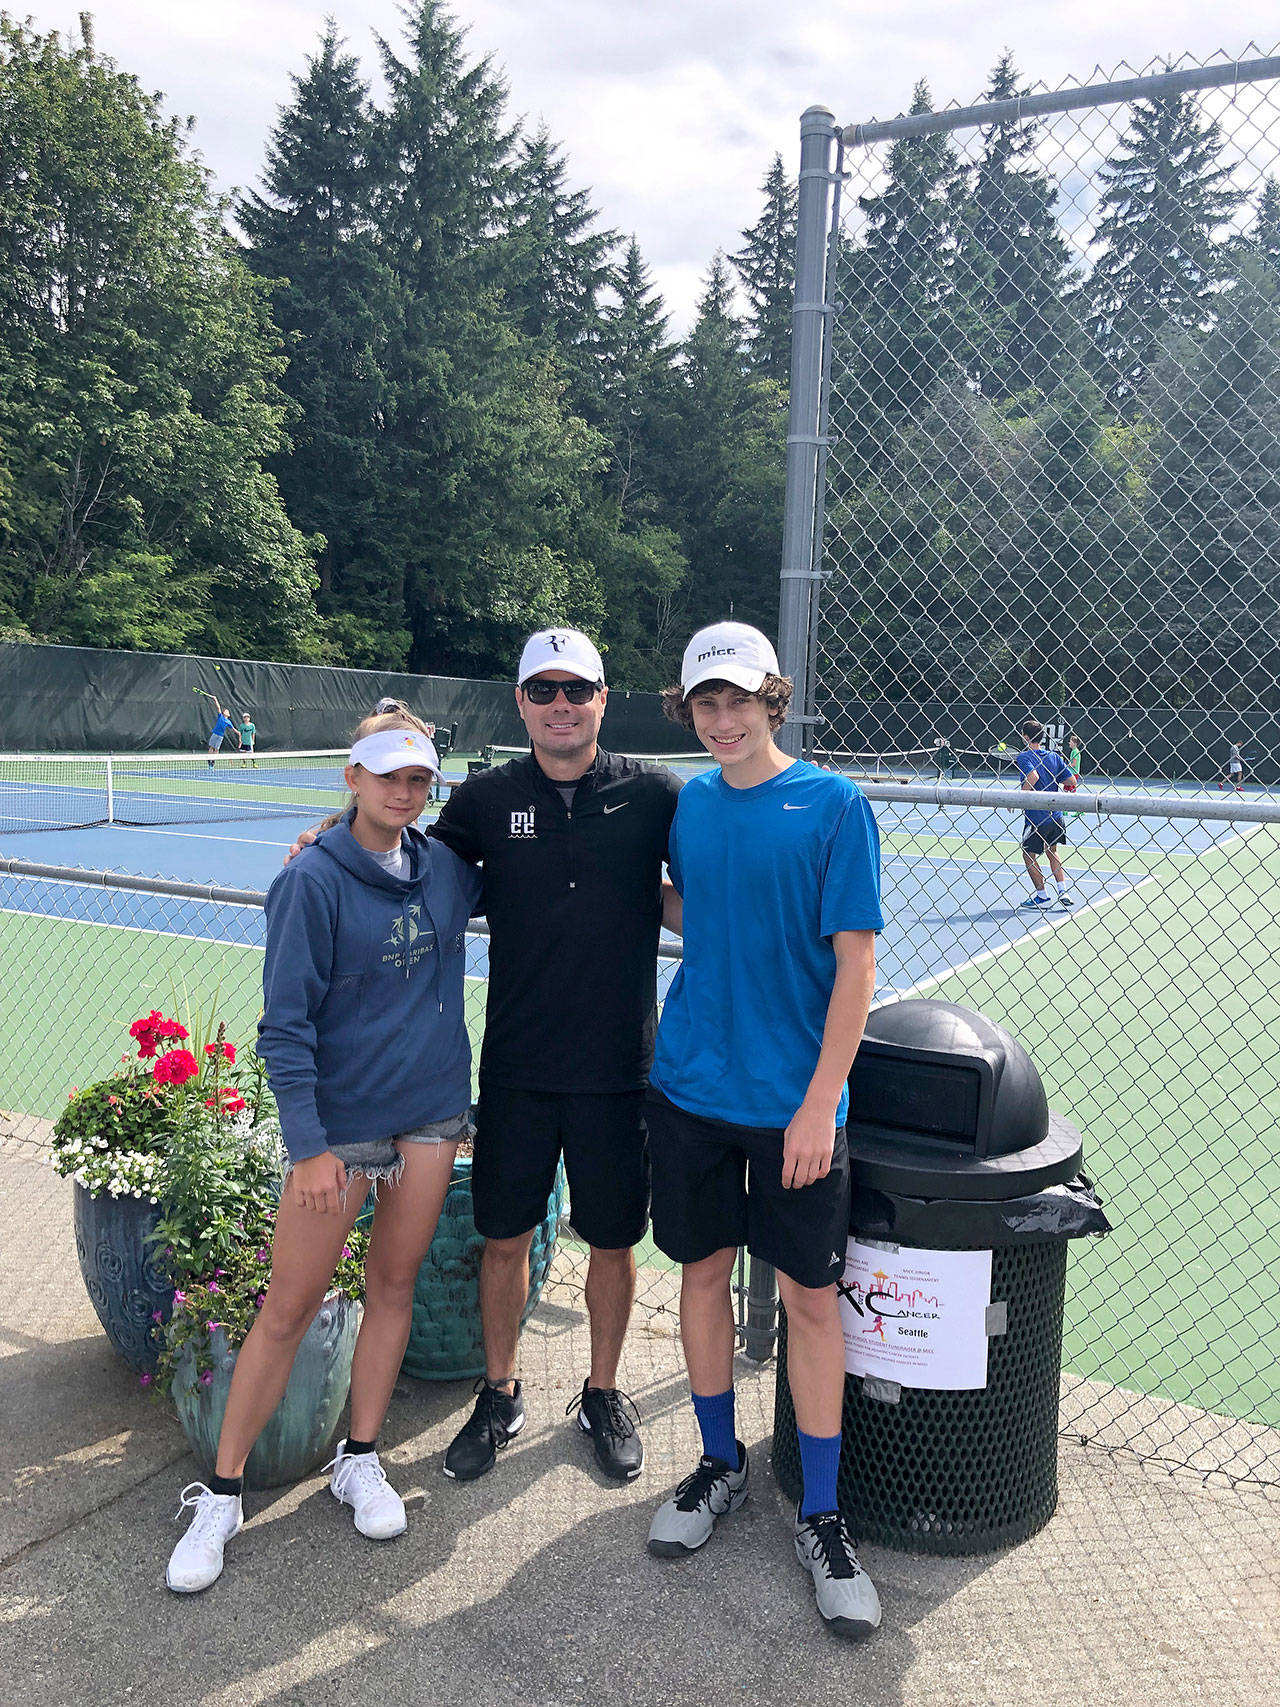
[1016, 260]
[486, 468]
[732, 467]
[1214, 505]
[908, 327]
[558, 266]
[638, 551]
[138, 380]
[766, 266]
[1166, 200]
[1263, 241]
[336, 299]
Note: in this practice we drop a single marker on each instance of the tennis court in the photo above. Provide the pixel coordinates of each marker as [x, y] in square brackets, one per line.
[1174, 1133]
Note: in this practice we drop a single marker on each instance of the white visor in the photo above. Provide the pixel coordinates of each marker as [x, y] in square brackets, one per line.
[393, 750]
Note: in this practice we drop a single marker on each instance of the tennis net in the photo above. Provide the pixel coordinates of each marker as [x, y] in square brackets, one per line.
[62, 791]
[910, 764]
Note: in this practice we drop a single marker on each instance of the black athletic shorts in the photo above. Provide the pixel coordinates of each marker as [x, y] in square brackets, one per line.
[716, 1185]
[1041, 837]
[521, 1135]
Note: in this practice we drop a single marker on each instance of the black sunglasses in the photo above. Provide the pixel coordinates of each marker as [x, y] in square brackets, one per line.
[577, 693]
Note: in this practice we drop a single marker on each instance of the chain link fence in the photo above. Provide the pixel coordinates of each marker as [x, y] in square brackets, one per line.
[1034, 473]
[87, 952]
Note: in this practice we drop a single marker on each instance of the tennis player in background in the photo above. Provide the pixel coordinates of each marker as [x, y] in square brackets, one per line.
[1043, 832]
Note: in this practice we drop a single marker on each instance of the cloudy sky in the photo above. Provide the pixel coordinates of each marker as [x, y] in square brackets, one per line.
[669, 110]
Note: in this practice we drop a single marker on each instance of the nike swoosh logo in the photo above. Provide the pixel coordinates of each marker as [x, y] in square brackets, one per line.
[788, 807]
[617, 808]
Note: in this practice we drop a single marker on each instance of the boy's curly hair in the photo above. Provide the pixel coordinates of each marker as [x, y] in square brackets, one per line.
[775, 691]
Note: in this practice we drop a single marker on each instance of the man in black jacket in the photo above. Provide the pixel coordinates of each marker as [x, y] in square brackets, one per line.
[572, 840]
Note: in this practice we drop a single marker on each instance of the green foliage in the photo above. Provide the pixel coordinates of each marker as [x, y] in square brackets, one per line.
[1166, 198]
[138, 370]
[766, 266]
[225, 1298]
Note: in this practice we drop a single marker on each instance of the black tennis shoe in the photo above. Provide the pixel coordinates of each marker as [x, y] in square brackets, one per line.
[497, 1418]
[602, 1413]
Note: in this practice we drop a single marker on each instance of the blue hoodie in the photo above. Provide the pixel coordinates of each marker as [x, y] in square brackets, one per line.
[363, 1030]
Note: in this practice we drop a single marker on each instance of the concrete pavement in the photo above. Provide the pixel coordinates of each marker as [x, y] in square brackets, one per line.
[532, 1585]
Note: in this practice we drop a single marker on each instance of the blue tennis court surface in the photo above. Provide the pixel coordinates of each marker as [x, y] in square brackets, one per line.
[945, 904]
[953, 876]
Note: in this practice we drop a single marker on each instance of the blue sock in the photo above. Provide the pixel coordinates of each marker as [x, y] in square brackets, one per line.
[715, 1419]
[819, 1462]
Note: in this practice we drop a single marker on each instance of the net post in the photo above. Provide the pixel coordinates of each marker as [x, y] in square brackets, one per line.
[804, 422]
[111, 794]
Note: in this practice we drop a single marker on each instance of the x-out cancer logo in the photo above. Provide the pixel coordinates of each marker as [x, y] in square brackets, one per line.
[886, 1298]
[522, 825]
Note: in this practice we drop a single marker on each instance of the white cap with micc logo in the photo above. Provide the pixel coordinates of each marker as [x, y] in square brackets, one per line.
[728, 652]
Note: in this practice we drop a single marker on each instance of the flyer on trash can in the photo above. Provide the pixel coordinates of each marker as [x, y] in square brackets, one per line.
[916, 1317]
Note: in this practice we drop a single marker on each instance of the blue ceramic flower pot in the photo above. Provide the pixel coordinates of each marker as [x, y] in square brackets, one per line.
[125, 1283]
[445, 1341]
[302, 1427]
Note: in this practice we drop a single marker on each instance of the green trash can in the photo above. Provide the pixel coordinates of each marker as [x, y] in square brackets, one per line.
[965, 1191]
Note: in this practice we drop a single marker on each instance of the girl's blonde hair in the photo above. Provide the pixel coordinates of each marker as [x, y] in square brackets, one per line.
[380, 720]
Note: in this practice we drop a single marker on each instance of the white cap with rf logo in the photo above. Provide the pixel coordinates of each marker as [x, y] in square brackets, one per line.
[560, 649]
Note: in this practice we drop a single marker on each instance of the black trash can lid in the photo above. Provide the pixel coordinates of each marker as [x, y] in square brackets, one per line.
[943, 1102]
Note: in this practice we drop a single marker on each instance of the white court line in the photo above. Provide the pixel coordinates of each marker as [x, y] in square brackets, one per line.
[178, 936]
[1049, 925]
[1017, 942]
[139, 930]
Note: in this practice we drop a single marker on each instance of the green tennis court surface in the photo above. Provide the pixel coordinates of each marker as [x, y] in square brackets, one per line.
[1149, 1014]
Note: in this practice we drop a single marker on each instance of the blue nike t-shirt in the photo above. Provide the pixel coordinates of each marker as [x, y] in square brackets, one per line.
[1051, 770]
[221, 724]
[768, 875]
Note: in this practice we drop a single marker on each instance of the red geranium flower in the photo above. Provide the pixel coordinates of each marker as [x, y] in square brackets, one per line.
[175, 1067]
[171, 1028]
[227, 1050]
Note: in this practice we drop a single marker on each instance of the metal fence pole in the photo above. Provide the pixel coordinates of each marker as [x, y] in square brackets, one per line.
[799, 567]
[804, 425]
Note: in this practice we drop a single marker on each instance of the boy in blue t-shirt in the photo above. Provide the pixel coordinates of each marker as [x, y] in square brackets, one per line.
[1042, 832]
[776, 872]
[221, 724]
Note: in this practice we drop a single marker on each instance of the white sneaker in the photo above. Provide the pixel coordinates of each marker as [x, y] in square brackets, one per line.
[197, 1559]
[847, 1597]
[361, 1483]
[684, 1522]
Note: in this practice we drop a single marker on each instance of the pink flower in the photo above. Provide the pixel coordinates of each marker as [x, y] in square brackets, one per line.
[219, 1271]
[346, 1250]
[260, 1300]
[145, 1380]
[206, 1380]
[214, 1326]
[179, 1297]
[263, 1254]
[157, 1315]
[214, 1287]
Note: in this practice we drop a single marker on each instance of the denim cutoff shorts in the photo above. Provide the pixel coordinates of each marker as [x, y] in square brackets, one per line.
[378, 1158]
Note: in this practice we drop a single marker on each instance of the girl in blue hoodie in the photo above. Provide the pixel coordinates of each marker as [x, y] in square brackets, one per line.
[367, 1053]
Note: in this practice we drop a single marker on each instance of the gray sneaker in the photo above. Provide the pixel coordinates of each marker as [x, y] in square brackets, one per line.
[847, 1597]
[686, 1520]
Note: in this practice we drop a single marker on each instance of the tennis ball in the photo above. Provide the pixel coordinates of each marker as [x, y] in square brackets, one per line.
[1002, 748]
